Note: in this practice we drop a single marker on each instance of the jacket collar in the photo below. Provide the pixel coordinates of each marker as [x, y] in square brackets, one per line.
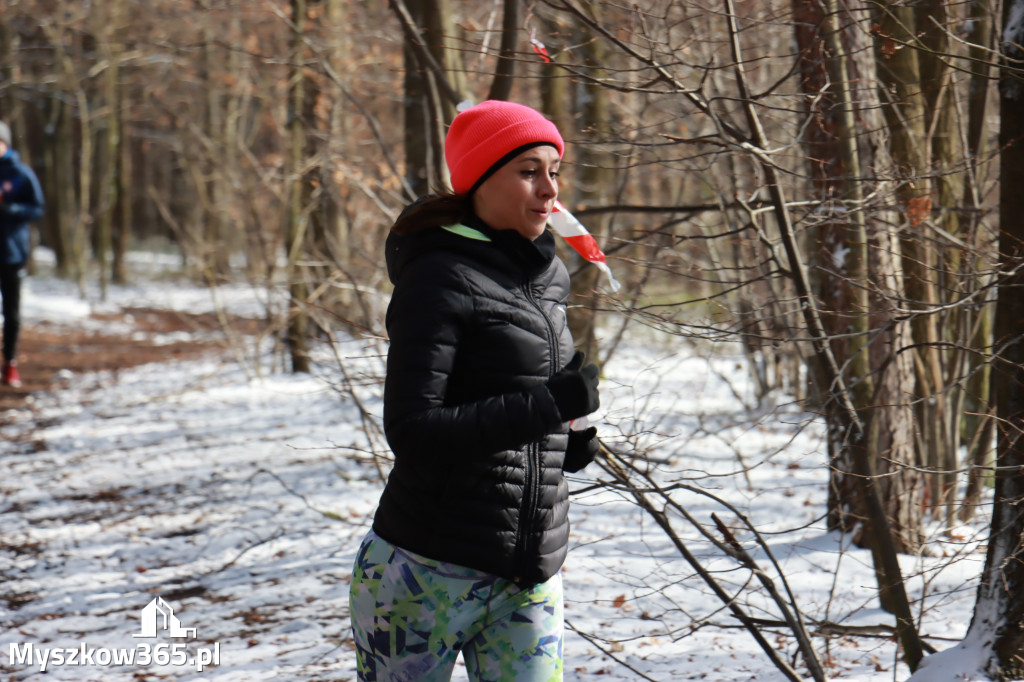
[504, 249]
[533, 256]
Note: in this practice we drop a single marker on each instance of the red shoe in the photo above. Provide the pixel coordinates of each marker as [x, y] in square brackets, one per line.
[10, 375]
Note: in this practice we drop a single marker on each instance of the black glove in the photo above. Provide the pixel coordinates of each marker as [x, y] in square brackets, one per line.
[583, 448]
[575, 389]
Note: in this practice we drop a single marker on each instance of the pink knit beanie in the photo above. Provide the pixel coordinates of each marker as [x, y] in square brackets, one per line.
[487, 133]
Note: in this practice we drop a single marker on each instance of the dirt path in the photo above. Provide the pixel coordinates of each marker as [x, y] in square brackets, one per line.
[47, 349]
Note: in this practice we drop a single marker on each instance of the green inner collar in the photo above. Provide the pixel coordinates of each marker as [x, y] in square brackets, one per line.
[466, 231]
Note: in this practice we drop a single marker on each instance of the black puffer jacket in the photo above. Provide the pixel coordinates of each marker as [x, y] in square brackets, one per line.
[477, 328]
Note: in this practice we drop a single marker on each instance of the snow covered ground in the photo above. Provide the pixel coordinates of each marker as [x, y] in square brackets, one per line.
[238, 495]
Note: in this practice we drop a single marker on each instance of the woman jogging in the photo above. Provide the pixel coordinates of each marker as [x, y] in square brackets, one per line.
[21, 202]
[482, 384]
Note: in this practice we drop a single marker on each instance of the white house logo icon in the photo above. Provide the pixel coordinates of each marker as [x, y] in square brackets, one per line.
[158, 615]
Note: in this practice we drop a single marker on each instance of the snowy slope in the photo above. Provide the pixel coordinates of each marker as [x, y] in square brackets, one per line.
[239, 495]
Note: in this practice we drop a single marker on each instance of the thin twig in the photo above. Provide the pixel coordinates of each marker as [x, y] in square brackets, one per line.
[593, 640]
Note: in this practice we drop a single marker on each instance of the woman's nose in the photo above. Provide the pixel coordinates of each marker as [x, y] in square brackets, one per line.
[548, 186]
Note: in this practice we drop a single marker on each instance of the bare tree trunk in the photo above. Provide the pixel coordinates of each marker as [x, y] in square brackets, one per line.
[557, 104]
[882, 545]
[979, 425]
[77, 192]
[71, 190]
[336, 216]
[999, 612]
[842, 285]
[237, 106]
[501, 86]
[554, 90]
[215, 246]
[9, 73]
[449, 56]
[318, 198]
[593, 184]
[297, 217]
[424, 138]
[938, 83]
[83, 214]
[59, 185]
[820, 46]
[109, 175]
[906, 112]
[123, 221]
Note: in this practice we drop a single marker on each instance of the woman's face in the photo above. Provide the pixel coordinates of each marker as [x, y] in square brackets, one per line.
[521, 194]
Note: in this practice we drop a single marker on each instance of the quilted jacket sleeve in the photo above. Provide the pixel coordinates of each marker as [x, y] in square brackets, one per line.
[429, 314]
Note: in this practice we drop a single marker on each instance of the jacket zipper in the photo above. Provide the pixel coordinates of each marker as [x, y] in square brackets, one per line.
[531, 484]
[552, 339]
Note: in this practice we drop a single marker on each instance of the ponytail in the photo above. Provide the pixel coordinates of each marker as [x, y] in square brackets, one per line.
[435, 210]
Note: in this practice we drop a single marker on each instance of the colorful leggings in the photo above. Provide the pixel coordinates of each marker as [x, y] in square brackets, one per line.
[411, 616]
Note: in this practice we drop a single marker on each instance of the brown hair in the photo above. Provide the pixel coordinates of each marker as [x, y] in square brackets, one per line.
[443, 208]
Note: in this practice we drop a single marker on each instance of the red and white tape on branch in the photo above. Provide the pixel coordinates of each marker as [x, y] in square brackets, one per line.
[538, 46]
[572, 230]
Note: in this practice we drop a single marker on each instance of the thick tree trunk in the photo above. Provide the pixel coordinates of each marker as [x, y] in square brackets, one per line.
[501, 85]
[999, 613]
[9, 73]
[817, 42]
[882, 544]
[979, 425]
[123, 221]
[297, 217]
[336, 220]
[110, 153]
[593, 185]
[58, 185]
[938, 83]
[840, 274]
[906, 112]
[215, 246]
[425, 168]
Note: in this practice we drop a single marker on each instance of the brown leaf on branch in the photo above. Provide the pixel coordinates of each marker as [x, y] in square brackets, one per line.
[918, 210]
[889, 46]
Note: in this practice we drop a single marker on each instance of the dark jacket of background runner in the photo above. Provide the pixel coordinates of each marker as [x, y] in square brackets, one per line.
[21, 202]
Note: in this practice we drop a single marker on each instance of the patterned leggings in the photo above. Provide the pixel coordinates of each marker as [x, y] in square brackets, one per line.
[411, 616]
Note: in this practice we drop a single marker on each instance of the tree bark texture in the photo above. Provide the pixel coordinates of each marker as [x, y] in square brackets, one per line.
[297, 215]
[425, 169]
[1001, 594]
[843, 272]
[906, 113]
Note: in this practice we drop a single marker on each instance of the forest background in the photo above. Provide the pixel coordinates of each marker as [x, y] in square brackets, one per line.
[832, 186]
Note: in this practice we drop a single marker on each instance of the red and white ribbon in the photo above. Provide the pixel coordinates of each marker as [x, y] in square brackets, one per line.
[571, 230]
[538, 46]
